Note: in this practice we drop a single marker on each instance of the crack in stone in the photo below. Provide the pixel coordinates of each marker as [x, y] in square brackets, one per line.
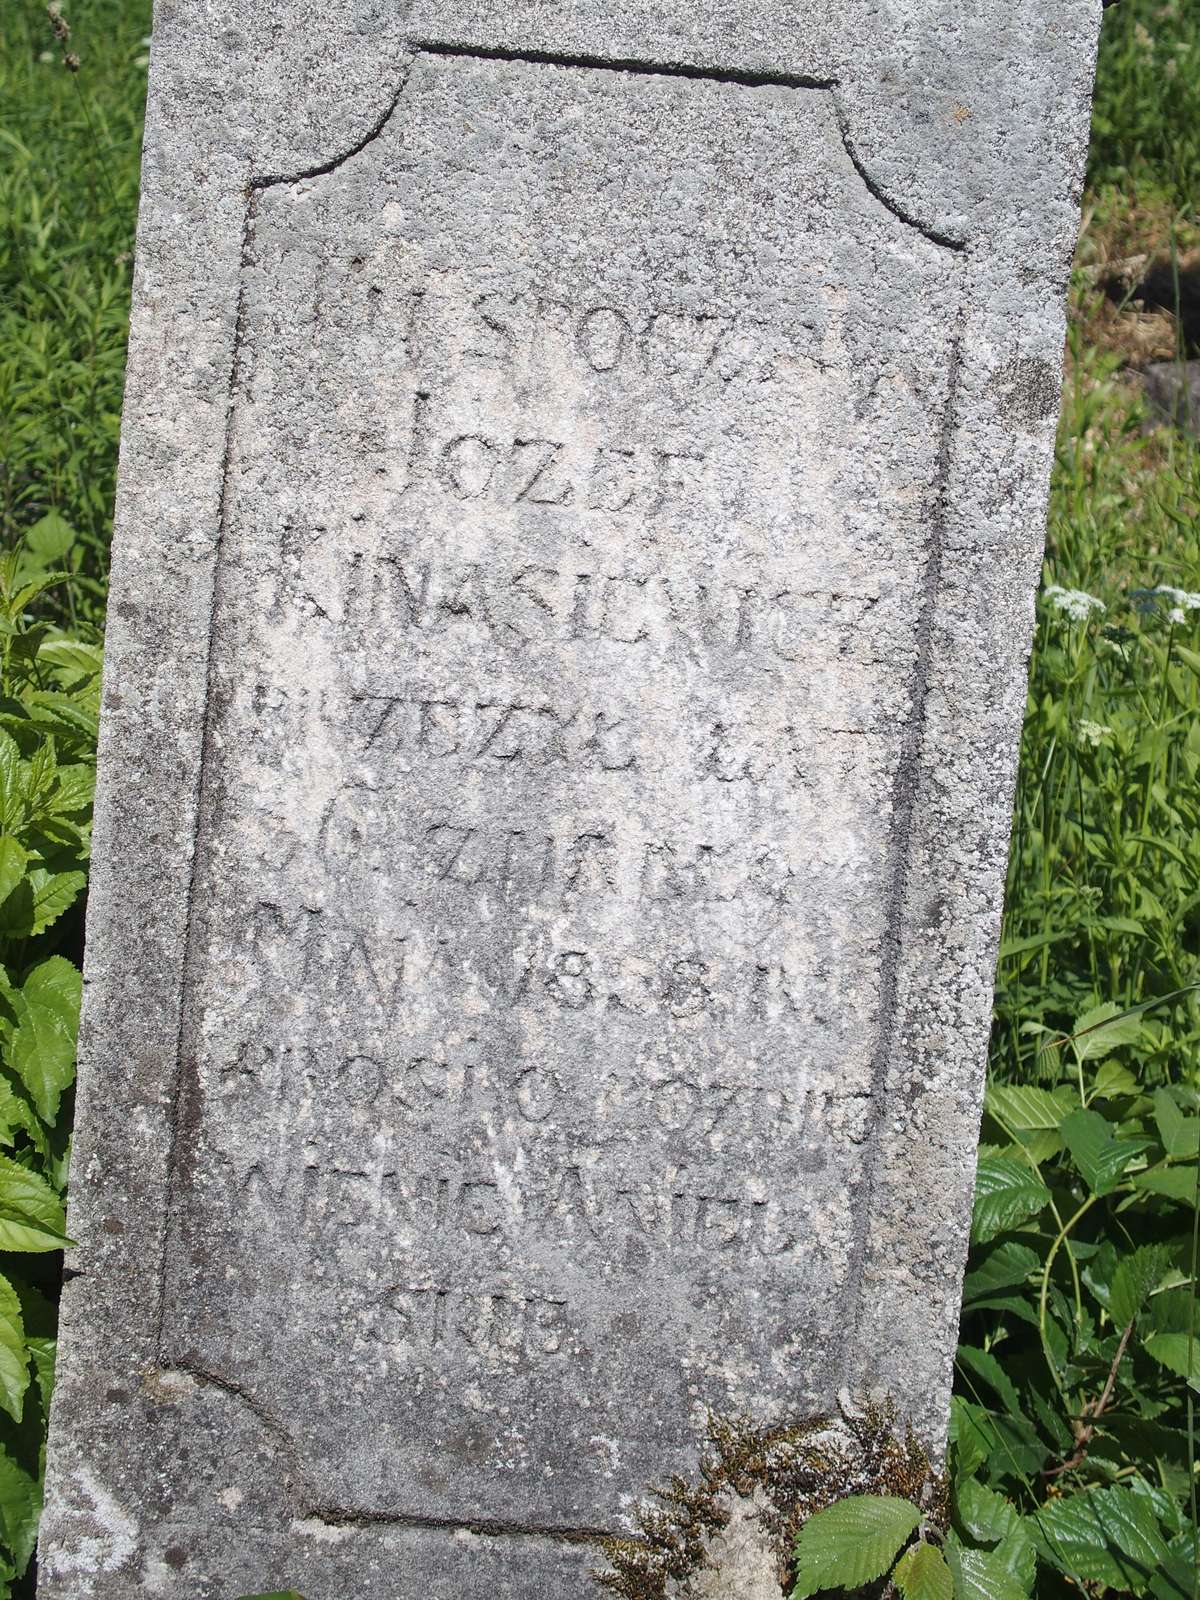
[305, 1501]
[633, 68]
[904, 803]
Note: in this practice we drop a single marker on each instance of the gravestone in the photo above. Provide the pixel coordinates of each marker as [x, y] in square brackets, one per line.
[582, 495]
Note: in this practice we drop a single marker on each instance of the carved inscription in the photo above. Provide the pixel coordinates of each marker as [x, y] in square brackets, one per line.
[486, 732]
[499, 1328]
[309, 952]
[514, 605]
[541, 921]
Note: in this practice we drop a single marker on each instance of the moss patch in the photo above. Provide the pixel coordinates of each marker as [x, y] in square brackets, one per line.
[795, 1467]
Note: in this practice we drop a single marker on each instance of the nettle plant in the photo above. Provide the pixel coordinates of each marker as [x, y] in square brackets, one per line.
[1079, 1358]
[49, 707]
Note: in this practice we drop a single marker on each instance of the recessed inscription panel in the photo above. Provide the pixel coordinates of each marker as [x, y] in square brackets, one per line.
[563, 662]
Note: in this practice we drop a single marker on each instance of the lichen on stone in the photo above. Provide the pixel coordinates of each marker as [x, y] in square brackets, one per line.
[786, 1472]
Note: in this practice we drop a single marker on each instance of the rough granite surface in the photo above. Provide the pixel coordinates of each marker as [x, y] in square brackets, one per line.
[582, 492]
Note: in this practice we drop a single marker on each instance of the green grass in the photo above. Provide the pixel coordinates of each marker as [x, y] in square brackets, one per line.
[1145, 126]
[1103, 898]
[70, 147]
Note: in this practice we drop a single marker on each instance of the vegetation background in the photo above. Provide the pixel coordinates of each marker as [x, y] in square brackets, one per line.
[1074, 1453]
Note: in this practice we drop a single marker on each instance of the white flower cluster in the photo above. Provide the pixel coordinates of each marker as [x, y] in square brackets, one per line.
[1077, 603]
[1176, 602]
[1092, 733]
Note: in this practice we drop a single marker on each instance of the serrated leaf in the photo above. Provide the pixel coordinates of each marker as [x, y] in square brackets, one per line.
[14, 1355]
[852, 1543]
[1099, 1155]
[31, 1213]
[982, 1575]
[1172, 1350]
[29, 592]
[10, 782]
[1136, 1275]
[13, 861]
[1112, 1080]
[1007, 1192]
[74, 790]
[1177, 1580]
[61, 711]
[20, 1508]
[1002, 1267]
[1009, 1305]
[42, 1048]
[985, 1366]
[1103, 1536]
[42, 1352]
[1103, 1029]
[922, 1574]
[52, 893]
[1025, 1109]
[73, 654]
[1174, 1183]
[1180, 1135]
[984, 1513]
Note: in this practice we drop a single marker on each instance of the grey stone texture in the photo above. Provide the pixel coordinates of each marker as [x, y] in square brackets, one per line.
[582, 495]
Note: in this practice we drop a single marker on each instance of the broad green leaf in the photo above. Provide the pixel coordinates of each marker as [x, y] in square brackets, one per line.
[1102, 1535]
[1002, 1267]
[991, 1519]
[14, 1356]
[1177, 1580]
[922, 1574]
[29, 592]
[41, 1323]
[42, 1351]
[74, 789]
[1009, 1305]
[53, 893]
[1175, 1183]
[74, 654]
[982, 1575]
[50, 537]
[1041, 1146]
[1025, 1109]
[20, 1508]
[852, 1543]
[985, 1366]
[62, 711]
[17, 1112]
[985, 1514]
[31, 1213]
[1136, 1275]
[1180, 1135]
[1099, 1155]
[13, 860]
[42, 1050]
[1112, 1080]
[1103, 1029]
[11, 804]
[1007, 1444]
[1007, 1192]
[43, 764]
[1171, 1350]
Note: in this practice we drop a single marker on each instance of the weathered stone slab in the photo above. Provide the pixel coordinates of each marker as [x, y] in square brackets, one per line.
[581, 501]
